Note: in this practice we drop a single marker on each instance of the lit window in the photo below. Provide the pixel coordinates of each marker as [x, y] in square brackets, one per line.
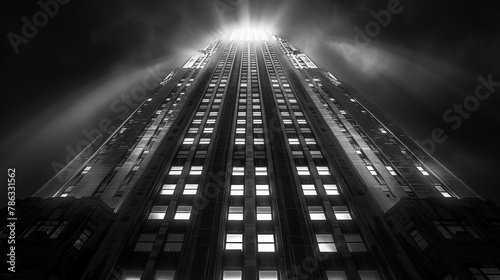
[316, 154]
[303, 170]
[287, 121]
[355, 242]
[196, 170]
[197, 121]
[231, 275]
[183, 213]
[301, 121]
[234, 242]
[236, 190]
[242, 114]
[331, 189]
[145, 242]
[158, 213]
[176, 170]
[423, 171]
[391, 170]
[336, 275]
[262, 189]
[241, 121]
[326, 243]
[210, 120]
[265, 243]
[190, 189]
[442, 190]
[261, 171]
[310, 141]
[204, 141]
[188, 141]
[257, 121]
[240, 130]
[372, 170]
[238, 171]
[309, 190]
[258, 141]
[86, 170]
[82, 239]
[341, 213]
[316, 213]
[264, 213]
[235, 213]
[174, 243]
[168, 189]
[293, 141]
[323, 170]
[268, 275]
[368, 275]
[419, 240]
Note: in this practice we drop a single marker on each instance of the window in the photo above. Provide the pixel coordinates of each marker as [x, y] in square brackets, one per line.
[145, 242]
[450, 229]
[262, 189]
[258, 141]
[235, 213]
[341, 213]
[355, 242]
[190, 189]
[326, 243]
[158, 213]
[368, 275]
[51, 228]
[86, 170]
[240, 130]
[167, 189]
[239, 141]
[293, 141]
[372, 170]
[443, 192]
[316, 213]
[208, 130]
[310, 141]
[419, 240]
[264, 213]
[196, 170]
[175, 170]
[261, 171]
[265, 242]
[331, 189]
[491, 273]
[183, 213]
[174, 242]
[391, 170]
[234, 242]
[236, 190]
[323, 170]
[268, 275]
[309, 190]
[303, 170]
[238, 171]
[82, 239]
[423, 171]
[204, 141]
[336, 275]
[188, 141]
[231, 275]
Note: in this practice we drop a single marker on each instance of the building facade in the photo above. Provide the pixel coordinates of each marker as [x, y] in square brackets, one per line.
[250, 162]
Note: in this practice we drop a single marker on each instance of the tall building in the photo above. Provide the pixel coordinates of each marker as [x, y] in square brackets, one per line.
[251, 162]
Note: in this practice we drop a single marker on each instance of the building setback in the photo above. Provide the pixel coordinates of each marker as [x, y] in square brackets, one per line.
[250, 162]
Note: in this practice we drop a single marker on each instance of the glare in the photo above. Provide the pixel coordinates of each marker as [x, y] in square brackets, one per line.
[248, 34]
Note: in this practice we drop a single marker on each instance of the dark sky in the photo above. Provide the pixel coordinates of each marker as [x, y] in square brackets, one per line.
[86, 54]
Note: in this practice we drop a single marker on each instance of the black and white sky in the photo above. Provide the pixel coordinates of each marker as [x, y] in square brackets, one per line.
[61, 75]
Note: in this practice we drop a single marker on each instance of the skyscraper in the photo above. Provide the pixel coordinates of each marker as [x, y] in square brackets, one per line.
[251, 162]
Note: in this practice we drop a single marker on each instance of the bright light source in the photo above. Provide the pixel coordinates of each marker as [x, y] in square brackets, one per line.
[248, 34]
